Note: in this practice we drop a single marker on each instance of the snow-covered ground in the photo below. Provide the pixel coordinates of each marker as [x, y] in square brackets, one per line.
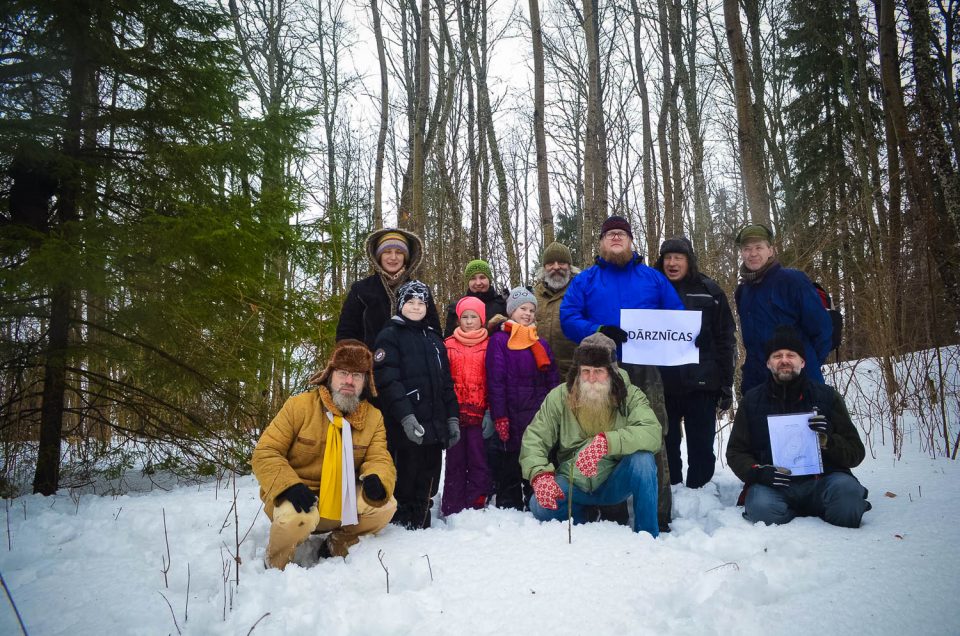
[93, 565]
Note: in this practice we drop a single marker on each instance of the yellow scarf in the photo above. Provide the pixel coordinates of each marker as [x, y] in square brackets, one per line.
[332, 492]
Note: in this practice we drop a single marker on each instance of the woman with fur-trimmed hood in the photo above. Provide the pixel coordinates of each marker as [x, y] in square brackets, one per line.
[395, 256]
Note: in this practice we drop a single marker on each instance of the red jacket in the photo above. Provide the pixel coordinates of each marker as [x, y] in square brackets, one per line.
[469, 371]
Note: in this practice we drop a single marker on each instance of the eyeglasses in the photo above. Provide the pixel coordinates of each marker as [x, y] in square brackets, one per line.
[343, 375]
[615, 234]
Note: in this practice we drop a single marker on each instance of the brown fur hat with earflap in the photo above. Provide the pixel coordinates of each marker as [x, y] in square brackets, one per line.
[349, 355]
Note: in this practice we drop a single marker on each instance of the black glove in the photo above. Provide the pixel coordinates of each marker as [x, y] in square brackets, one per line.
[696, 341]
[820, 425]
[726, 399]
[770, 476]
[373, 489]
[614, 332]
[300, 496]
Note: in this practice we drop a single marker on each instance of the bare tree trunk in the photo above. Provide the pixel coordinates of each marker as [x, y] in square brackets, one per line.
[649, 201]
[754, 176]
[487, 129]
[926, 188]
[384, 118]
[418, 214]
[669, 91]
[543, 181]
[46, 478]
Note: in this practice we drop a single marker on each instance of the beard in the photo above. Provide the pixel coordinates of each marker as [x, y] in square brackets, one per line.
[592, 404]
[555, 281]
[346, 403]
[786, 375]
[619, 259]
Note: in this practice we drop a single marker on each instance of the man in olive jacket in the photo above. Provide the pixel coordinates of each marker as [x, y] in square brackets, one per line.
[316, 440]
[598, 429]
[771, 494]
[550, 286]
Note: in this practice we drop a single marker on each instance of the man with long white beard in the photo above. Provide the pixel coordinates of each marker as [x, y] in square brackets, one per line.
[549, 288]
[598, 430]
[323, 464]
[619, 279]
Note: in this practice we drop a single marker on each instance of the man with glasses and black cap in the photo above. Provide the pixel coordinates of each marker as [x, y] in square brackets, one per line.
[770, 295]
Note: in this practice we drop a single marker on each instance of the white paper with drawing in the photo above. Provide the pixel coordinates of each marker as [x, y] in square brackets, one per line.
[794, 445]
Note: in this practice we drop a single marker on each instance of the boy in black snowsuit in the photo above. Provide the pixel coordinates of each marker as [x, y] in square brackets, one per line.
[418, 403]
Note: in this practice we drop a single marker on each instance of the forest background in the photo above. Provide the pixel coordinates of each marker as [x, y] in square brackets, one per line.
[185, 187]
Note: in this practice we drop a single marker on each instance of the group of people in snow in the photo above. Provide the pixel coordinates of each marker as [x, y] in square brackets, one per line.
[527, 396]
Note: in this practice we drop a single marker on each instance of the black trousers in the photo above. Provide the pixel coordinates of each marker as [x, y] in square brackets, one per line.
[698, 410]
[418, 480]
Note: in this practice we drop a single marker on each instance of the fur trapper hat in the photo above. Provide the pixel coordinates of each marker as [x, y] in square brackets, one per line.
[353, 356]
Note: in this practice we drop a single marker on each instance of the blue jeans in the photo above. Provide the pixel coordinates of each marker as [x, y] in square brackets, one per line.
[837, 498]
[635, 475]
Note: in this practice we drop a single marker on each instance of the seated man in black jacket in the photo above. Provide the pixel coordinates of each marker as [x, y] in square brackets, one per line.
[772, 495]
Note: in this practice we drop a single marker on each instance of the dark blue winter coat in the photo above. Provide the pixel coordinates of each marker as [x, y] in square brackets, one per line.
[596, 295]
[782, 297]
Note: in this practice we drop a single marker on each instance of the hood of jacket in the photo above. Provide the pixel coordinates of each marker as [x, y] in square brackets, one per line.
[413, 241]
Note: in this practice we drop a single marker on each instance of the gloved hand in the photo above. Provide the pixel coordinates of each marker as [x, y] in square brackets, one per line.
[591, 454]
[614, 332]
[546, 490]
[820, 425]
[726, 399]
[453, 431]
[503, 428]
[373, 489]
[770, 476]
[413, 429]
[697, 341]
[300, 496]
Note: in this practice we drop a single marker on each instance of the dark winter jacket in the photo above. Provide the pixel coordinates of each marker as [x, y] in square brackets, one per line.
[750, 438]
[412, 373]
[370, 302]
[782, 296]
[493, 301]
[595, 297]
[548, 322]
[717, 340]
[515, 387]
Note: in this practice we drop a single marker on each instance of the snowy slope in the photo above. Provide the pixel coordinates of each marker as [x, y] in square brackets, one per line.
[93, 566]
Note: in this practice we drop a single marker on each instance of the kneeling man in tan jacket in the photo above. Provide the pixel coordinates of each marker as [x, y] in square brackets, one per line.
[323, 464]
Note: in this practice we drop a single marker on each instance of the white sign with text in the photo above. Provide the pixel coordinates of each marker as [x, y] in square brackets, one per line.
[663, 337]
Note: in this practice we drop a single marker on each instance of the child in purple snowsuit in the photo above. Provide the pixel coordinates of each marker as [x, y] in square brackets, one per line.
[520, 372]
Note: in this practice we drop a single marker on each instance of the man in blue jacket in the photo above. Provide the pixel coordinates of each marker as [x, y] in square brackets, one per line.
[770, 295]
[620, 280]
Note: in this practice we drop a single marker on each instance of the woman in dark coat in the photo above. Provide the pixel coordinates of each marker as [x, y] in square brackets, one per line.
[479, 282]
[395, 256]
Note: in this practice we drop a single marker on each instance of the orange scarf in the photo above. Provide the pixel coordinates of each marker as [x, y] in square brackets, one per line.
[470, 338]
[522, 337]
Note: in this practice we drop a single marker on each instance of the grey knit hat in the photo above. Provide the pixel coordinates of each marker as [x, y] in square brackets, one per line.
[518, 296]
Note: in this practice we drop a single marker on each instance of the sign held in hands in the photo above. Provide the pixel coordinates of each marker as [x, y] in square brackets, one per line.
[663, 337]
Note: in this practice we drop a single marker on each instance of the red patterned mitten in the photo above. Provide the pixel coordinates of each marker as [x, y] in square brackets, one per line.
[591, 454]
[546, 490]
[503, 428]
